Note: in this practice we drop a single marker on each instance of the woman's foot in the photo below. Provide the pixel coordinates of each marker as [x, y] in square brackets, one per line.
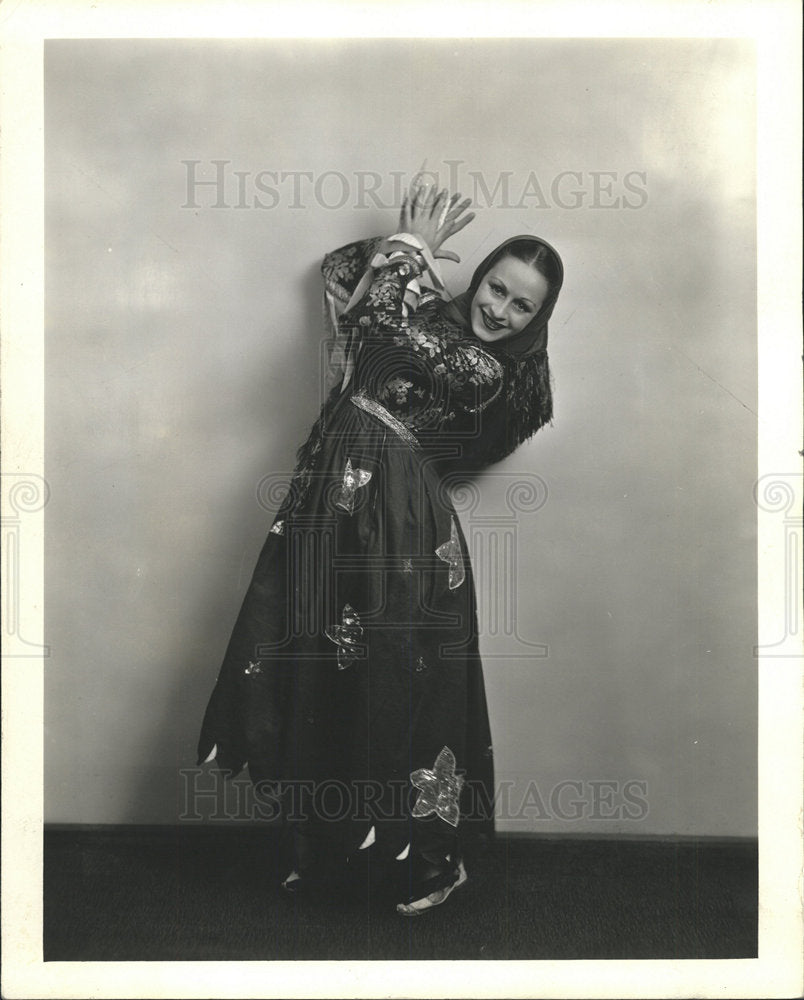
[433, 892]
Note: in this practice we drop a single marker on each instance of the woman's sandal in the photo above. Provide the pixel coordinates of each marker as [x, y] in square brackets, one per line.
[438, 892]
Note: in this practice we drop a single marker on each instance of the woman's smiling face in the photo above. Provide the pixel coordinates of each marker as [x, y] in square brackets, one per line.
[510, 294]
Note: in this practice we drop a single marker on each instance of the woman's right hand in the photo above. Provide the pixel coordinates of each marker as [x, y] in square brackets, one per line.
[434, 217]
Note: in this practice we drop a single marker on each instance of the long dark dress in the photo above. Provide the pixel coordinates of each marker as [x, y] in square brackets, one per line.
[353, 673]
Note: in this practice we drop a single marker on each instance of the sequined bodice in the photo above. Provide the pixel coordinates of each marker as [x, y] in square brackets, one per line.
[416, 362]
[428, 375]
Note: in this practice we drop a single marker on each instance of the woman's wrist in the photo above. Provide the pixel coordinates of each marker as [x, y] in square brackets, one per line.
[413, 247]
[410, 243]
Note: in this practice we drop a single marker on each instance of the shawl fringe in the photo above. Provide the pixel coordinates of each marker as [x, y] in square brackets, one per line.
[524, 407]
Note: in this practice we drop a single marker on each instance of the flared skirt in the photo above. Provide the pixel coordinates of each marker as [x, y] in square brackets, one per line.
[353, 668]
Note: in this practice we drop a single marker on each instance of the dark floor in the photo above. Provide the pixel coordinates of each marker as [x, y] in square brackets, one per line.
[209, 893]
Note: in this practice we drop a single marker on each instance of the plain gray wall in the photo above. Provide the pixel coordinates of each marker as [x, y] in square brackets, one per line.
[182, 360]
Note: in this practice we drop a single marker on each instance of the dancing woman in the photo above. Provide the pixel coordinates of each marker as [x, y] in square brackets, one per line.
[352, 683]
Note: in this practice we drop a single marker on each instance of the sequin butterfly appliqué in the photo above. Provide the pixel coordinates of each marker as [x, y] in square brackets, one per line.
[439, 788]
[450, 552]
[346, 637]
[353, 479]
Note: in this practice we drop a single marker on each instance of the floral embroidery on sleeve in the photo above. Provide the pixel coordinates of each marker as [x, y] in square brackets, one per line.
[441, 373]
[343, 268]
[399, 387]
[383, 306]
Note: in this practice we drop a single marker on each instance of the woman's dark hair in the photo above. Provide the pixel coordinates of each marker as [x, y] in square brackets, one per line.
[540, 257]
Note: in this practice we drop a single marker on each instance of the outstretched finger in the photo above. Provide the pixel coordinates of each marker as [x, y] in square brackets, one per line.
[416, 180]
[422, 198]
[440, 207]
[456, 210]
[458, 225]
[404, 213]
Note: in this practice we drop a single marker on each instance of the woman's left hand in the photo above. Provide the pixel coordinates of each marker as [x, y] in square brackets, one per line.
[434, 217]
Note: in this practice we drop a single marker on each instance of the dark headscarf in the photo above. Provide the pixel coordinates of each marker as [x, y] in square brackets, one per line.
[531, 340]
[526, 402]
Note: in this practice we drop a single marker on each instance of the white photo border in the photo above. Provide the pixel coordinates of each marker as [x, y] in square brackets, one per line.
[775, 27]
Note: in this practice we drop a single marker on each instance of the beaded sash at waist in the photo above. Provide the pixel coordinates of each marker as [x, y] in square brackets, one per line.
[365, 402]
